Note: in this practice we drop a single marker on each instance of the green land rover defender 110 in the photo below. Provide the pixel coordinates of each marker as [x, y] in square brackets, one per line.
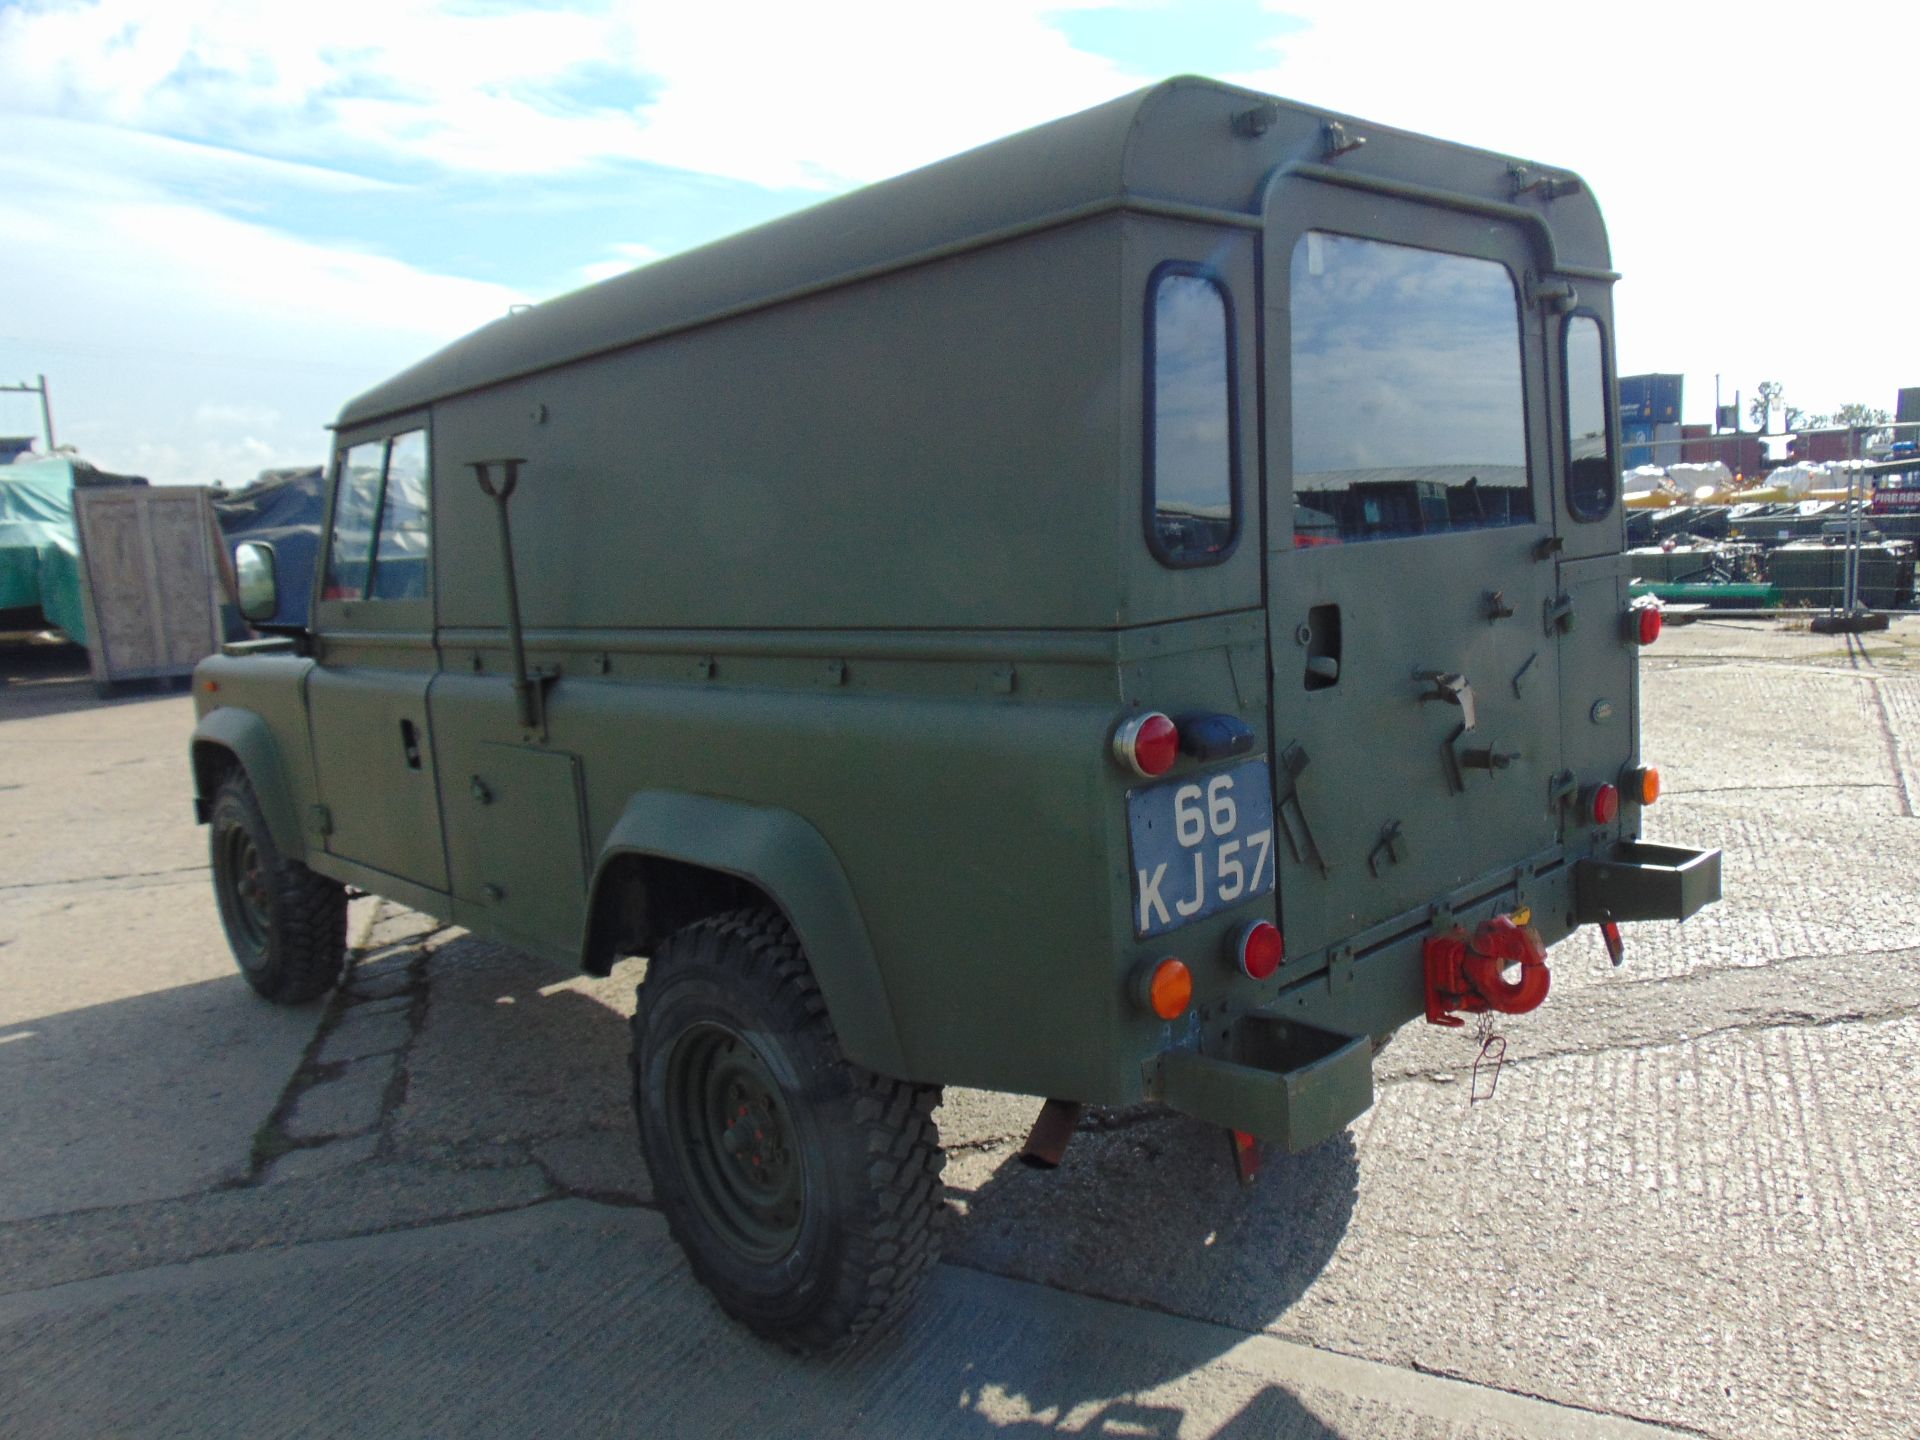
[1131, 613]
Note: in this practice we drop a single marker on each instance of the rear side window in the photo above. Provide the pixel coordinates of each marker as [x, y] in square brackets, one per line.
[1590, 472]
[382, 490]
[1409, 413]
[1192, 511]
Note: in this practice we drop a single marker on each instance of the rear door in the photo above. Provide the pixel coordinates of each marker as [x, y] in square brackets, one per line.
[1412, 595]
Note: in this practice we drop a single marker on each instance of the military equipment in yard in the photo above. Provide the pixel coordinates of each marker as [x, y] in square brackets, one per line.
[1134, 612]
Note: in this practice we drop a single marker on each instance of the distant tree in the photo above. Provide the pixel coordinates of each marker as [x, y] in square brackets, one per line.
[1794, 416]
[1819, 422]
[1760, 408]
[1858, 414]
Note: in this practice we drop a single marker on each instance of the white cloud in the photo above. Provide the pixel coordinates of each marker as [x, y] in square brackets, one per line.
[1750, 180]
[814, 96]
[1745, 161]
[186, 343]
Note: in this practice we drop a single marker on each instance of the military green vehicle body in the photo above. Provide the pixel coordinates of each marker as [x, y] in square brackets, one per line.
[837, 565]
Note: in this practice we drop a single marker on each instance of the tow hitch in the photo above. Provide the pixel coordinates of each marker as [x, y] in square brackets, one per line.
[1467, 973]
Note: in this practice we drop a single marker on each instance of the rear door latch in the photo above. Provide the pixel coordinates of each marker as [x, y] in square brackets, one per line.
[1452, 689]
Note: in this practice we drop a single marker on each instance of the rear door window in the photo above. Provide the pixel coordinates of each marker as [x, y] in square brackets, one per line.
[1409, 410]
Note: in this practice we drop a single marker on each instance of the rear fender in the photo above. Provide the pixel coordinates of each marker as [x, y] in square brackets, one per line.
[784, 857]
[247, 739]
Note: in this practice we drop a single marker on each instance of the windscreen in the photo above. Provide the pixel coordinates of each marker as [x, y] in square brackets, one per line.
[1409, 413]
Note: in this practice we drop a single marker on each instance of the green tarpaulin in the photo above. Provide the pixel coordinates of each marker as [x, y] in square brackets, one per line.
[39, 552]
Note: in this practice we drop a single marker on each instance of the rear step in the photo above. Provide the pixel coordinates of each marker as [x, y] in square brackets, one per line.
[1288, 1084]
[1639, 881]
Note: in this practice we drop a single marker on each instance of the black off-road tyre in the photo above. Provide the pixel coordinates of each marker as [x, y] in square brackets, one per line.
[287, 926]
[804, 1189]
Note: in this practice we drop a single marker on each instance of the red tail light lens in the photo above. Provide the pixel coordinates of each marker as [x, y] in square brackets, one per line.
[1258, 950]
[1604, 804]
[1646, 624]
[1147, 744]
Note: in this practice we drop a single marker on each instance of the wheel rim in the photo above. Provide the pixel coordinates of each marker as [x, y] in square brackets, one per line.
[734, 1139]
[246, 883]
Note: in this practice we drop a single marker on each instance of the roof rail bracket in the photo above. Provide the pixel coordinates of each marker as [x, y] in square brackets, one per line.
[1524, 178]
[1336, 139]
[1255, 122]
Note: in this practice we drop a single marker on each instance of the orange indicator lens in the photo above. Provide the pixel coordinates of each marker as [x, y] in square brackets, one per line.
[1170, 990]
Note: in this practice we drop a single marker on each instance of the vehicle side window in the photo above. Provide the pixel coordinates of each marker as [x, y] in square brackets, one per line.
[1591, 477]
[356, 504]
[400, 563]
[1191, 441]
[1409, 412]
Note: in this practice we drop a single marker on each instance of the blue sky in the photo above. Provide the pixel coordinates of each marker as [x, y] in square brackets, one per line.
[223, 218]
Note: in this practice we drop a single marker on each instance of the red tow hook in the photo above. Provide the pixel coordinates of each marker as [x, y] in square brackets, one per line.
[1469, 974]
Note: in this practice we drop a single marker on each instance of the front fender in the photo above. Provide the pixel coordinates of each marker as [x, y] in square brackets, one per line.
[249, 739]
[790, 861]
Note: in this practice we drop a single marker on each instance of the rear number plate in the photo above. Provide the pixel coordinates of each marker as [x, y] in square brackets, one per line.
[1199, 845]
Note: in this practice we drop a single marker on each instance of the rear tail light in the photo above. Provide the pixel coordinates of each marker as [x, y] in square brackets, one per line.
[1600, 803]
[1165, 987]
[1258, 950]
[1643, 624]
[1642, 784]
[1147, 744]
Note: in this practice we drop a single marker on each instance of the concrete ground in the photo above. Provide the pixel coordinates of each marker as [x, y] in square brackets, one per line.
[419, 1208]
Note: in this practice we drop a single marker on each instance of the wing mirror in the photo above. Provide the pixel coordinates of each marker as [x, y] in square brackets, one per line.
[256, 580]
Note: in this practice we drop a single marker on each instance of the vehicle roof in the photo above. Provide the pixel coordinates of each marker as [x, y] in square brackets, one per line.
[1171, 143]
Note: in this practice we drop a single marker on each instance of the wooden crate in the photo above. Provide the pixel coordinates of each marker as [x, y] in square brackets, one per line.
[148, 559]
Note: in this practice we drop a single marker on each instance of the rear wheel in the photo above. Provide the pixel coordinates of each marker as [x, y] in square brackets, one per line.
[286, 925]
[804, 1189]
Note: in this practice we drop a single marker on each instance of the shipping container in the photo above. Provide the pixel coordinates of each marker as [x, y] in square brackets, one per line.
[1650, 399]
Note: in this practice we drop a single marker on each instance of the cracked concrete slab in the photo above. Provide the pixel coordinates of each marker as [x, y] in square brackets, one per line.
[474, 1328]
[1715, 1234]
[343, 1103]
[372, 1199]
[514, 1047]
[311, 1161]
[359, 1035]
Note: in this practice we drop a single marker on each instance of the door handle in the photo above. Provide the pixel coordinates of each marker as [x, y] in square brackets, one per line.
[410, 744]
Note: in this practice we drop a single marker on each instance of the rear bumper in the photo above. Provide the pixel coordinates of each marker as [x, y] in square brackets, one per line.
[1290, 1084]
[1638, 881]
[1294, 1084]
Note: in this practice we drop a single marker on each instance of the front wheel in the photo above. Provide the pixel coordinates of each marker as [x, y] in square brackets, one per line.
[804, 1189]
[286, 925]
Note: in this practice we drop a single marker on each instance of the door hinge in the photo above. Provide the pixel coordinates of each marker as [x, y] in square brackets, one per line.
[322, 819]
[1391, 848]
[1558, 618]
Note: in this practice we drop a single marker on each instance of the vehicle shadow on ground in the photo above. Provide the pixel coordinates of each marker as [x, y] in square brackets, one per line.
[514, 1058]
[39, 679]
[1146, 1208]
